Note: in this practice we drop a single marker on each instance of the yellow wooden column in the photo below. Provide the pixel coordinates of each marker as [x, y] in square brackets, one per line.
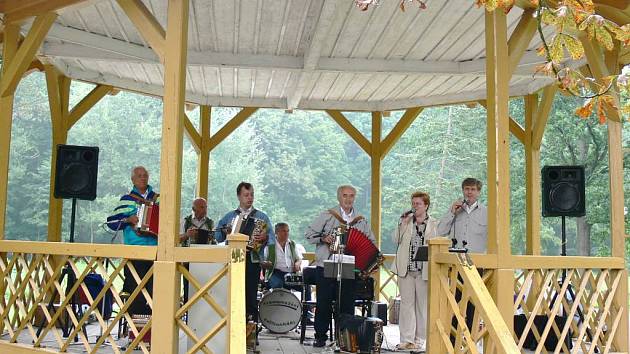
[376, 156]
[438, 314]
[165, 336]
[58, 99]
[236, 295]
[532, 179]
[205, 116]
[498, 131]
[10, 45]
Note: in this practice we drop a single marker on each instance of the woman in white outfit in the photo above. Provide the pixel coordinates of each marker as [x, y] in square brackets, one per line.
[414, 229]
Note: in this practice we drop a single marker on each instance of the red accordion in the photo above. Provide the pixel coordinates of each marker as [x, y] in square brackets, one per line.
[367, 258]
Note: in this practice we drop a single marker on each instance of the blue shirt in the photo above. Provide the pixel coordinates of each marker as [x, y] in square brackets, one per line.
[227, 220]
[127, 207]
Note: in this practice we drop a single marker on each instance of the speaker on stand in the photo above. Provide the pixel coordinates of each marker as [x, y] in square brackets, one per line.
[564, 194]
[76, 174]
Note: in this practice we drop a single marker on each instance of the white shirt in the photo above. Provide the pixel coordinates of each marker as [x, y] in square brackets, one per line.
[245, 212]
[347, 217]
[470, 208]
[284, 262]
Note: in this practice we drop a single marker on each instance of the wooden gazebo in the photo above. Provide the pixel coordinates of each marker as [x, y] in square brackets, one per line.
[308, 55]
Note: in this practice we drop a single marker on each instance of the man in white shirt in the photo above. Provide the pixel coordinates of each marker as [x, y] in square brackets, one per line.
[281, 258]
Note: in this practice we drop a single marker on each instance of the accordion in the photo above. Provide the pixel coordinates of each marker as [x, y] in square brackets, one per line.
[367, 258]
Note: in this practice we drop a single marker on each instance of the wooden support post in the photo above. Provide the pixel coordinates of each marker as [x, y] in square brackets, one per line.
[621, 340]
[399, 129]
[204, 152]
[236, 295]
[498, 157]
[375, 197]
[166, 288]
[167, 285]
[172, 130]
[438, 314]
[532, 179]
[10, 45]
[376, 156]
[58, 99]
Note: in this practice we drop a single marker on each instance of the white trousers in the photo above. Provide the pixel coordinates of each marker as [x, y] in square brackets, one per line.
[413, 308]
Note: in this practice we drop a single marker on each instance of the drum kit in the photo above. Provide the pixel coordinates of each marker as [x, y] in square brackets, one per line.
[279, 309]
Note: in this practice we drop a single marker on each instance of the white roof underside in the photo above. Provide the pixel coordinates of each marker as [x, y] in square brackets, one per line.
[307, 54]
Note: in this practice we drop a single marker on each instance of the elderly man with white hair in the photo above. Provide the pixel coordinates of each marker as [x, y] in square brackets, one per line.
[320, 234]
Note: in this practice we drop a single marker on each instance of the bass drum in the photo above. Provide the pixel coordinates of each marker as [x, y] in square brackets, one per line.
[280, 310]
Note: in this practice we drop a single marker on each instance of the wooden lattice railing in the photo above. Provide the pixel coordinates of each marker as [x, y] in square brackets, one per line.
[557, 305]
[583, 308]
[38, 297]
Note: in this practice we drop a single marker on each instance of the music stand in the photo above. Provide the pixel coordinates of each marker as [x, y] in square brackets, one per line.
[422, 254]
[340, 273]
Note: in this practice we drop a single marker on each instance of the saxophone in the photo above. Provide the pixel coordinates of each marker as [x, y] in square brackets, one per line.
[260, 227]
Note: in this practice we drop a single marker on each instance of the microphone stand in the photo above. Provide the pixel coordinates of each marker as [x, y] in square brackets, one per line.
[340, 251]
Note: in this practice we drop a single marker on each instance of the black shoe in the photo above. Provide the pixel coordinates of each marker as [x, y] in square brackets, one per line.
[319, 343]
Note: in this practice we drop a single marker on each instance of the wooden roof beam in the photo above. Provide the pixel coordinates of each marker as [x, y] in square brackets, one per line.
[542, 115]
[313, 52]
[192, 134]
[520, 39]
[16, 11]
[25, 53]
[399, 129]
[351, 130]
[89, 101]
[230, 126]
[146, 24]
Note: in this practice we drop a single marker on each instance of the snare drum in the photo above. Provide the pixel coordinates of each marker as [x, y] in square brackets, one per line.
[293, 279]
[279, 310]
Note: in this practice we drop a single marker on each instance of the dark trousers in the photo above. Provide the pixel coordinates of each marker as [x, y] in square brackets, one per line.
[326, 294]
[252, 278]
[139, 305]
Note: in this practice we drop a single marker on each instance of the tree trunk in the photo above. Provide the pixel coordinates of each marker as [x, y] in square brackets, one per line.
[583, 236]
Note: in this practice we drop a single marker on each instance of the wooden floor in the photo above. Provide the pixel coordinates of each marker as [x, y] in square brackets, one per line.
[289, 343]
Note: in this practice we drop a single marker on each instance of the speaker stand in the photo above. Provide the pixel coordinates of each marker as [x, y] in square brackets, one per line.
[73, 217]
[563, 253]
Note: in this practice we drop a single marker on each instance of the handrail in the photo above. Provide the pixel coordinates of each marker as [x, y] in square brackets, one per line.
[80, 249]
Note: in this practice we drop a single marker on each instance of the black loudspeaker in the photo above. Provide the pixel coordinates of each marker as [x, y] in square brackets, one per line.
[76, 172]
[563, 191]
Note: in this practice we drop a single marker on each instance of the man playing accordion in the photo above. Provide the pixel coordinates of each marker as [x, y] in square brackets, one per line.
[320, 233]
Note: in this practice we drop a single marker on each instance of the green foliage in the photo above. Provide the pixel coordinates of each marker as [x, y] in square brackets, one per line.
[296, 161]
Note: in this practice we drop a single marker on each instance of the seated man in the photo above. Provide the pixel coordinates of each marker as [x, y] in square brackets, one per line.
[281, 258]
[125, 219]
[196, 221]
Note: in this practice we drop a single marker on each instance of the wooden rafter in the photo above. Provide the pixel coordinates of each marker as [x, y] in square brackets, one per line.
[542, 115]
[520, 39]
[350, 129]
[312, 55]
[147, 25]
[25, 53]
[16, 11]
[399, 129]
[230, 126]
[87, 103]
[191, 133]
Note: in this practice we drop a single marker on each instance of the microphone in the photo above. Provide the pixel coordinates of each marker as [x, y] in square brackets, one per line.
[410, 211]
